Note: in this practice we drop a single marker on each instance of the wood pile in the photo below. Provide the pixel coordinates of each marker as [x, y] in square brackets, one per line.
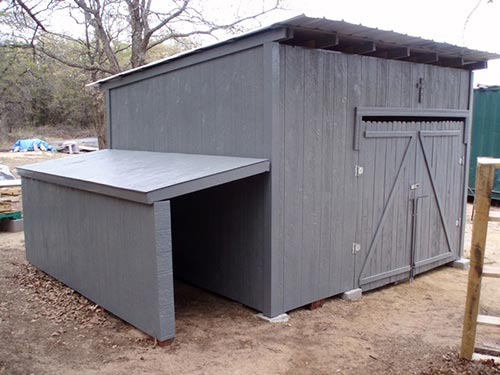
[10, 197]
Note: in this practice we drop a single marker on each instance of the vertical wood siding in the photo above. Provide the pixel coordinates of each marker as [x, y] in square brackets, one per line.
[320, 91]
[218, 107]
[219, 248]
[221, 236]
[117, 253]
[213, 108]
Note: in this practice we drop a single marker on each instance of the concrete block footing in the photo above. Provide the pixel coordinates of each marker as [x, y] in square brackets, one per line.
[461, 264]
[352, 295]
[10, 225]
[282, 318]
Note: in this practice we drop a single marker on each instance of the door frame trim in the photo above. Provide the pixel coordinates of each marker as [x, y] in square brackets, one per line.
[361, 112]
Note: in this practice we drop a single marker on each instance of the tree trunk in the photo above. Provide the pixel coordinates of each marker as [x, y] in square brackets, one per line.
[97, 118]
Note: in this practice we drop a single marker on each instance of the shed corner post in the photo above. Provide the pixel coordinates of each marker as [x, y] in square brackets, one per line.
[107, 101]
[468, 146]
[164, 269]
[273, 262]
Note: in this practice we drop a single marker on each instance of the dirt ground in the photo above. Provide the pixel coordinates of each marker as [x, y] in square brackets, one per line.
[45, 328]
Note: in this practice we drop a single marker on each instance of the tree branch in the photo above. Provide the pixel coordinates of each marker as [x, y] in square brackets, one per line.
[30, 13]
[175, 14]
[73, 64]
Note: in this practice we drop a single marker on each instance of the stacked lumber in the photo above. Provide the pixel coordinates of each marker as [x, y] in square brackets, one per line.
[9, 196]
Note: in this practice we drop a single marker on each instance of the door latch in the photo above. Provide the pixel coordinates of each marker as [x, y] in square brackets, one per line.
[414, 186]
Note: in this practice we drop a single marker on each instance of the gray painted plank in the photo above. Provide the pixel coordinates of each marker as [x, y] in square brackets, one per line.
[294, 172]
[396, 81]
[337, 96]
[118, 257]
[142, 176]
[214, 108]
[164, 269]
[313, 161]
[219, 242]
[305, 126]
[328, 170]
[467, 103]
[349, 190]
[406, 86]
[273, 74]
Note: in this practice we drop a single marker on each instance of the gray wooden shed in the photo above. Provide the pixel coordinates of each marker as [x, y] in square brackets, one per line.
[278, 168]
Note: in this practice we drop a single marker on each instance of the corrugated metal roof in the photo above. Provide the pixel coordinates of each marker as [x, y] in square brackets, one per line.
[345, 29]
[306, 29]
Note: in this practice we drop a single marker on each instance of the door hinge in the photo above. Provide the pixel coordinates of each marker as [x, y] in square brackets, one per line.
[461, 161]
[358, 170]
[356, 247]
[458, 222]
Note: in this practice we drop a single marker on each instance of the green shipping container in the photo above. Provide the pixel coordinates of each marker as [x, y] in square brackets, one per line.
[485, 132]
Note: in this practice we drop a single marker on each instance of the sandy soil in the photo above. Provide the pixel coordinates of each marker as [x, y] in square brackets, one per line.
[45, 328]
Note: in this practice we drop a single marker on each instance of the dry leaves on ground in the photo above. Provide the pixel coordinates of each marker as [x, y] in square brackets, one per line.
[453, 365]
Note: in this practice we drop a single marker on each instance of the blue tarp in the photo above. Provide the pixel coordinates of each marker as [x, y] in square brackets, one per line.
[27, 145]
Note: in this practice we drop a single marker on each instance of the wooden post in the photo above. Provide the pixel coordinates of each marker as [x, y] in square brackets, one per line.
[484, 183]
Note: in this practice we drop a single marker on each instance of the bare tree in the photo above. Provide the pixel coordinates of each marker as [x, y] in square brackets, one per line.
[111, 27]
[115, 35]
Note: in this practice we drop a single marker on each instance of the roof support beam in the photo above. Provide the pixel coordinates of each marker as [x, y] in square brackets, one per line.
[314, 40]
[424, 58]
[358, 49]
[476, 65]
[451, 62]
[327, 41]
[398, 53]
[456, 62]
[395, 53]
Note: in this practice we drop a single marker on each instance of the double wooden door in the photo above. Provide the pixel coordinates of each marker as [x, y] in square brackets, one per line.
[410, 190]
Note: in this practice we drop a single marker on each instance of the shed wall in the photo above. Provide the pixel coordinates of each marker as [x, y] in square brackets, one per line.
[115, 252]
[214, 108]
[319, 91]
[304, 100]
[209, 232]
[222, 236]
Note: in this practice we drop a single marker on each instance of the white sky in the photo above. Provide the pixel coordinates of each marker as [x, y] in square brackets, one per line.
[440, 20]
